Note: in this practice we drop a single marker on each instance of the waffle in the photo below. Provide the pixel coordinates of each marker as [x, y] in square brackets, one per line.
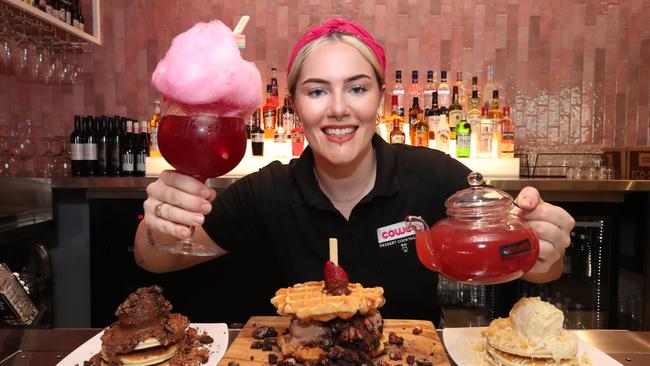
[501, 335]
[308, 301]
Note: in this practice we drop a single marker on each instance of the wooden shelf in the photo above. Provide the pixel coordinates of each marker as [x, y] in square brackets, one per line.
[72, 34]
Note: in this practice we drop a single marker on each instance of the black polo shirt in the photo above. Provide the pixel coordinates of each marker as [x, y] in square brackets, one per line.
[282, 210]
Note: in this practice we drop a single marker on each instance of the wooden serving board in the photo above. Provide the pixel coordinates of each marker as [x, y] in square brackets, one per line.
[426, 345]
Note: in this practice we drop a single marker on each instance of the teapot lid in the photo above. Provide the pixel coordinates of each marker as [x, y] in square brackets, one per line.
[478, 196]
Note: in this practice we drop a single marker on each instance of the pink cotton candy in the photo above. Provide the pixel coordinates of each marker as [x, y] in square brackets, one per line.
[203, 69]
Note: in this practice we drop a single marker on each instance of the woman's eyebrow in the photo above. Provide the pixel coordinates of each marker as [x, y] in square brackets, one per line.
[323, 81]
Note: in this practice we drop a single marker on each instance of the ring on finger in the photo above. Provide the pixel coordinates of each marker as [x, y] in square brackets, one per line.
[158, 210]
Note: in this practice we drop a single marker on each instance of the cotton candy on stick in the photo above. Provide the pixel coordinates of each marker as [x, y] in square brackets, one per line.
[204, 71]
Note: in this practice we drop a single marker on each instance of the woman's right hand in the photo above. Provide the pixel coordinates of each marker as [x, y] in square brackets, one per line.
[176, 201]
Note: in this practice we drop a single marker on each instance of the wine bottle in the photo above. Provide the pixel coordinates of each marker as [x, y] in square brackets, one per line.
[140, 148]
[102, 146]
[76, 148]
[115, 141]
[89, 149]
[257, 138]
[126, 150]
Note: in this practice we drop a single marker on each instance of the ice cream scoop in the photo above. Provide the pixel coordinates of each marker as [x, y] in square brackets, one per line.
[203, 69]
[535, 319]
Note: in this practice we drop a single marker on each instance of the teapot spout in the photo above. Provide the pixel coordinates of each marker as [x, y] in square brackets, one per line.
[422, 246]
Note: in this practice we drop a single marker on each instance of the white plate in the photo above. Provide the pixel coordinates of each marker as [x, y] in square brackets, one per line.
[218, 332]
[459, 341]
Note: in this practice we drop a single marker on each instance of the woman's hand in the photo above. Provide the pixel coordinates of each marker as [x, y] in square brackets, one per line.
[552, 225]
[176, 201]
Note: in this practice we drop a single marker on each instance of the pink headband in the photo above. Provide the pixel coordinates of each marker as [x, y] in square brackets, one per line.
[339, 25]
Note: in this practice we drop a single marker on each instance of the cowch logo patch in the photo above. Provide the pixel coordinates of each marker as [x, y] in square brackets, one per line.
[395, 234]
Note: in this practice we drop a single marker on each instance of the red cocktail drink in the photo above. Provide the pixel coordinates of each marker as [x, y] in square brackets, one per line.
[202, 146]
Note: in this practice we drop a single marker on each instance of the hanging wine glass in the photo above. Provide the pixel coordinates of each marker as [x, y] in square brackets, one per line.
[5, 45]
[22, 52]
[62, 161]
[24, 148]
[44, 163]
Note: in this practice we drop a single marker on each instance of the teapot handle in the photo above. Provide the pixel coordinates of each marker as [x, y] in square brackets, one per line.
[422, 246]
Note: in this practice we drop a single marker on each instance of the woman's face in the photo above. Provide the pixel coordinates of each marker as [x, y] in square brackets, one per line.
[336, 97]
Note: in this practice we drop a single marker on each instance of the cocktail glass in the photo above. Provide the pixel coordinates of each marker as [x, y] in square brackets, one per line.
[202, 145]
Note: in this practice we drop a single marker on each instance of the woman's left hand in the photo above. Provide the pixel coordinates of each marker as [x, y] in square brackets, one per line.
[552, 225]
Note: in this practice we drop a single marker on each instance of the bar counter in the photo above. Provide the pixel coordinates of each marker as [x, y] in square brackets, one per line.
[552, 189]
[49, 346]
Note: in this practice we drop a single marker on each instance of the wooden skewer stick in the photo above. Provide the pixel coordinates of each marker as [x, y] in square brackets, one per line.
[334, 251]
[241, 25]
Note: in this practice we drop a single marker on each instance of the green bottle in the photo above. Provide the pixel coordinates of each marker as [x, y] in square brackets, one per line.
[463, 137]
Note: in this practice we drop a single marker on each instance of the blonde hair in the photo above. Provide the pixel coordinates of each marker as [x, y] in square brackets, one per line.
[366, 52]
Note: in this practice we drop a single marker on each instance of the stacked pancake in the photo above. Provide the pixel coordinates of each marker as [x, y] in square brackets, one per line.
[532, 335]
[331, 318]
[146, 332]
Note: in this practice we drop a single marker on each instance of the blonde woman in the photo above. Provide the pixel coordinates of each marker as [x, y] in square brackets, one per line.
[348, 184]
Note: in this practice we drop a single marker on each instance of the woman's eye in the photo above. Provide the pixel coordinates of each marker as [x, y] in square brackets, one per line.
[358, 89]
[316, 92]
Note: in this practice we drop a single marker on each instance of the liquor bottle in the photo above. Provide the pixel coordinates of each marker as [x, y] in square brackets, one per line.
[442, 132]
[127, 152]
[297, 140]
[62, 10]
[474, 116]
[80, 17]
[414, 90]
[115, 142]
[274, 86]
[73, 16]
[280, 134]
[49, 9]
[507, 131]
[76, 147]
[139, 148]
[257, 137]
[495, 111]
[429, 88]
[488, 89]
[398, 90]
[102, 146]
[420, 131]
[455, 109]
[250, 122]
[270, 113]
[153, 129]
[433, 115]
[462, 90]
[495, 115]
[145, 136]
[443, 90]
[484, 146]
[89, 149]
[463, 138]
[396, 135]
[414, 115]
[474, 111]
[470, 92]
[287, 114]
[68, 11]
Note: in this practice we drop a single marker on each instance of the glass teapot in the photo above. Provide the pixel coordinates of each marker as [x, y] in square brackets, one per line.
[480, 242]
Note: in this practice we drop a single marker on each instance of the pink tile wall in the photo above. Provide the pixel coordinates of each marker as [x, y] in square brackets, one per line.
[574, 72]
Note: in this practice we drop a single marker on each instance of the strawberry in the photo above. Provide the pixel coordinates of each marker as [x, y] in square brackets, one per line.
[335, 275]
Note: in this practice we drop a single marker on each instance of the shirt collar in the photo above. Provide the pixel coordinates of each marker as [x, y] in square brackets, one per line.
[385, 181]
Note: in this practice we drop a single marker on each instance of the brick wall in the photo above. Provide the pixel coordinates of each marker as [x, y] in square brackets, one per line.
[574, 72]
